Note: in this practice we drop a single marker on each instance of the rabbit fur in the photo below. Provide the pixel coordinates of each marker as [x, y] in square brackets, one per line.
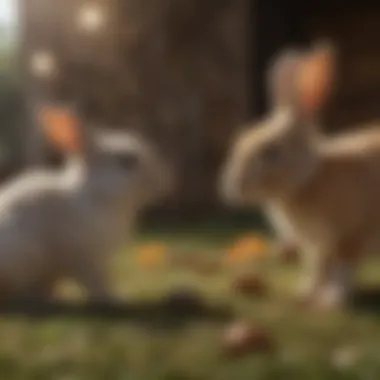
[65, 223]
[321, 191]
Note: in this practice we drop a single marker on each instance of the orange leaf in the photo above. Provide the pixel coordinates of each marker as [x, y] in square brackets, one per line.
[247, 247]
[152, 254]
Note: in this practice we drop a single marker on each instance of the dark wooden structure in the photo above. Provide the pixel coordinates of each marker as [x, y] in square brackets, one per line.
[188, 72]
[355, 30]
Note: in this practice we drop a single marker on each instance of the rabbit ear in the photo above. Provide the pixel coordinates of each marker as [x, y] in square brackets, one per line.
[314, 79]
[62, 127]
[281, 77]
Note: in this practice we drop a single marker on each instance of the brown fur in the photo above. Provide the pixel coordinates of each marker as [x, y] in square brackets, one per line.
[326, 189]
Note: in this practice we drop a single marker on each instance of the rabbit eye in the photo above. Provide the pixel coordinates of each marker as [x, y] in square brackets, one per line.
[271, 153]
[127, 161]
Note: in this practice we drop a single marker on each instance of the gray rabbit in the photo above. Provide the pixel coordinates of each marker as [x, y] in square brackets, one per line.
[65, 223]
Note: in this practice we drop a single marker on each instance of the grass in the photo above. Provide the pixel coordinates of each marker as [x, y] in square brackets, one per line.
[340, 345]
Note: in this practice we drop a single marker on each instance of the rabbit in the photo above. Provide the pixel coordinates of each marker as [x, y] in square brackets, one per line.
[285, 246]
[66, 223]
[322, 190]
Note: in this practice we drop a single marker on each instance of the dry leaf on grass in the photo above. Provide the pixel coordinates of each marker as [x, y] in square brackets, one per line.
[247, 248]
[241, 338]
[250, 284]
[152, 254]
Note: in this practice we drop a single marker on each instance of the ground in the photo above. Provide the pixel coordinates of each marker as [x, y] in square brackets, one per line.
[339, 345]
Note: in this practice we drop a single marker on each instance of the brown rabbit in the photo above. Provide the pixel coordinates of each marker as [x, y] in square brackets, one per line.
[285, 247]
[323, 192]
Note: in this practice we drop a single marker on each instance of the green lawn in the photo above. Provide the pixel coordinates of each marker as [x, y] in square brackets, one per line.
[343, 345]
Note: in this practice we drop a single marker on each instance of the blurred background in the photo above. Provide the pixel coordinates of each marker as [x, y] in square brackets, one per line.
[187, 73]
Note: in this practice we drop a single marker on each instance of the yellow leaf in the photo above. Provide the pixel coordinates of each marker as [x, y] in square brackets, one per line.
[247, 247]
[151, 254]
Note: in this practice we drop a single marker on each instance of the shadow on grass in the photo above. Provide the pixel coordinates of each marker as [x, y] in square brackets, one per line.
[171, 312]
[366, 299]
[219, 225]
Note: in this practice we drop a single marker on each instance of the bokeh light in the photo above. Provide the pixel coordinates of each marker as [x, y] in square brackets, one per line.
[43, 64]
[91, 17]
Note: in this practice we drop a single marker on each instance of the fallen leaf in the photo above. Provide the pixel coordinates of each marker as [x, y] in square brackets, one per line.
[246, 248]
[152, 254]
